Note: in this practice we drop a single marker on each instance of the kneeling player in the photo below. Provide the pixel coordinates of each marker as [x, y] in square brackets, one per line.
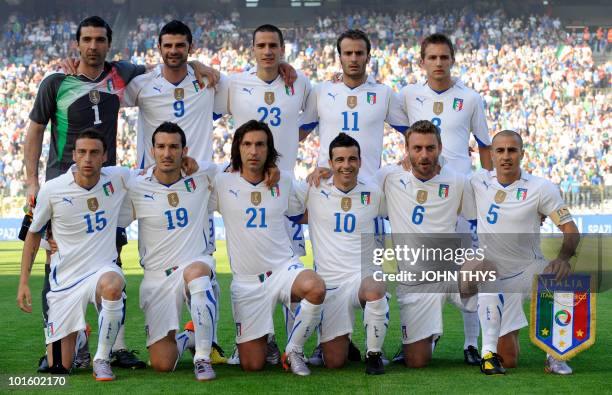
[509, 203]
[265, 268]
[422, 202]
[342, 214]
[172, 214]
[84, 205]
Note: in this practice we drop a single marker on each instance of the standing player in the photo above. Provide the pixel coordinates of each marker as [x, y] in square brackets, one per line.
[74, 103]
[457, 111]
[172, 217]
[358, 106]
[84, 205]
[510, 202]
[265, 269]
[424, 200]
[342, 214]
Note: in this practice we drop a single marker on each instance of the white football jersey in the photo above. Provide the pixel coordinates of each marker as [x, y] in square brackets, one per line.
[172, 220]
[360, 112]
[254, 218]
[274, 103]
[416, 206]
[457, 112]
[509, 217]
[188, 104]
[84, 223]
[342, 226]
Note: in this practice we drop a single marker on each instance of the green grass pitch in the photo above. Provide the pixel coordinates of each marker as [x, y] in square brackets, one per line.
[21, 344]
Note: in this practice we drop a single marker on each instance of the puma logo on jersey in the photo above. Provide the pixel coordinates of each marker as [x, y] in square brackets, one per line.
[149, 196]
[326, 194]
[403, 183]
[332, 95]
[158, 89]
[68, 200]
[235, 193]
[247, 90]
[485, 184]
[420, 100]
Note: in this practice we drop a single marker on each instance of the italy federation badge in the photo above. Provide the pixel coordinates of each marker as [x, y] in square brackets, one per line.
[179, 94]
[500, 196]
[269, 98]
[351, 101]
[438, 107]
[346, 203]
[563, 314]
[92, 204]
[256, 198]
[173, 199]
[421, 196]
[94, 97]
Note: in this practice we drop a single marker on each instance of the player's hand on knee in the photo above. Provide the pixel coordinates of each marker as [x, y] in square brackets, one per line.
[69, 66]
[318, 174]
[272, 176]
[189, 165]
[560, 268]
[24, 298]
[205, 73]
[288, 73]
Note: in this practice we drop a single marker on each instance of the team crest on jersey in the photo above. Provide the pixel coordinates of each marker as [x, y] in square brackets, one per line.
[50, 329]
[365, 198]
[346, 203]
[256, 198]
[179, 94]
[438, 107]
[197, 85]
[443, 190]
[371, 98]
[173, 199]
[108, 188]
[289, 90]
[92, 204]
[190, 184]
[109, 85]
[500, 196]
[421, 196]
[521, 194]
[351, 101]
[94, 97]
[458, 104]
[275, 191]
[269, 98]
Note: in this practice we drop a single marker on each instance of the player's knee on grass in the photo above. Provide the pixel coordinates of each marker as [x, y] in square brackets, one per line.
[164, 353]
[310, 286]
[418, 354]
[335, 352]
[508, 348]
[253, 354]
[110, 286]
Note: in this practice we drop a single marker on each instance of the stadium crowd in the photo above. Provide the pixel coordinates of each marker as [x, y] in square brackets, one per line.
[535, 77]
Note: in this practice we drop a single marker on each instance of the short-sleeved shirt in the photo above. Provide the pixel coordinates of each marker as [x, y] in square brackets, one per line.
[84, 223]
[75, 103]
[509, 216]
[361, 112]
[457, 112]
[254, 217]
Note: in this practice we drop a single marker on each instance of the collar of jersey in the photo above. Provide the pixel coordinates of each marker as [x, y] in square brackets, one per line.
[149, 175]
[105, 68]
[455, 82]
[253, 73]
[190, 75]
[524, 176]
[330, 182]
[369, 81]
[73, 169]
